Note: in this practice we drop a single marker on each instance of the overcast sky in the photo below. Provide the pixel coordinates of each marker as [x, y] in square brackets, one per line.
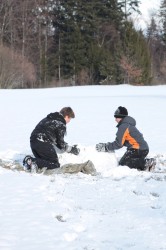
[147, 8]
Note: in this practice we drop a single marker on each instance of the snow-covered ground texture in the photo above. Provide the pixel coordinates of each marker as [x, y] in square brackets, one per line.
[118, 209]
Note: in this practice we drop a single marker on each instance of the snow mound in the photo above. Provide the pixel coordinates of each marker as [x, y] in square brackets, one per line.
[103, 162]
[106, 164]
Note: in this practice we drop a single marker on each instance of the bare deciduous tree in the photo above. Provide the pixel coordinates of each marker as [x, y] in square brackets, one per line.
[132, 73]
[11, 70]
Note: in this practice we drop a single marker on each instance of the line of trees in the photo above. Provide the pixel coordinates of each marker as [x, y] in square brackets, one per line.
[78, 42]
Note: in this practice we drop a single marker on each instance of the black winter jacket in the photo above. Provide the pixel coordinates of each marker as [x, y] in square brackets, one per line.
[51, 129]
[128, 135]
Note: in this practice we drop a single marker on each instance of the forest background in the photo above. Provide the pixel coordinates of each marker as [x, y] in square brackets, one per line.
[49, 43]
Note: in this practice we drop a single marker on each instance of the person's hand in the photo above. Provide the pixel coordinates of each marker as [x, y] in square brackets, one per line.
[74, 150]
[101, 147]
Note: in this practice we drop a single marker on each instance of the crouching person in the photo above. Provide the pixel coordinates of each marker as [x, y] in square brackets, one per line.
[128, 135]
[47, 138]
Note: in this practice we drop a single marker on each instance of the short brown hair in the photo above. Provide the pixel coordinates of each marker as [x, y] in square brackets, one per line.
[67, 111]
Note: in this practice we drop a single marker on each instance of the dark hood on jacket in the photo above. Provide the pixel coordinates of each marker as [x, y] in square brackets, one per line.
[56, 116]
[129, 120]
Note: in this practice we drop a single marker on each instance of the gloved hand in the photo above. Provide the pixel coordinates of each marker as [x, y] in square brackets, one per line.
[73, 150]
[101, 147]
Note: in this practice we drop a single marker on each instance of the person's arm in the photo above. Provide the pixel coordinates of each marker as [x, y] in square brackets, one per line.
[60, 133]
[117, 144]
[63, 146]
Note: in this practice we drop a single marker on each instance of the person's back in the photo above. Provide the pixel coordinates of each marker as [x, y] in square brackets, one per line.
[50, 129]
[131, 136]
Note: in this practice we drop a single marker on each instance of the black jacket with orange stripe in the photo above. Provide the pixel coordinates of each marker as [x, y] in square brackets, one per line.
[128, 135]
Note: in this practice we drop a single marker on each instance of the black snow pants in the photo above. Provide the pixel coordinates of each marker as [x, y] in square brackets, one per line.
[45, 154]
[134, 158]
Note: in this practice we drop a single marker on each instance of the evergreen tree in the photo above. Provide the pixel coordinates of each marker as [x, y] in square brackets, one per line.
[137, 56]
[129, 6]
[84, 29]
[163, 19]
[157, 46]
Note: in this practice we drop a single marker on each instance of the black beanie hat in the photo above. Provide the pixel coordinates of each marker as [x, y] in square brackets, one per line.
[121, 112]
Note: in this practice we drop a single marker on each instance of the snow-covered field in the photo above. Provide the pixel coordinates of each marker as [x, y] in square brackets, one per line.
[118, 209]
